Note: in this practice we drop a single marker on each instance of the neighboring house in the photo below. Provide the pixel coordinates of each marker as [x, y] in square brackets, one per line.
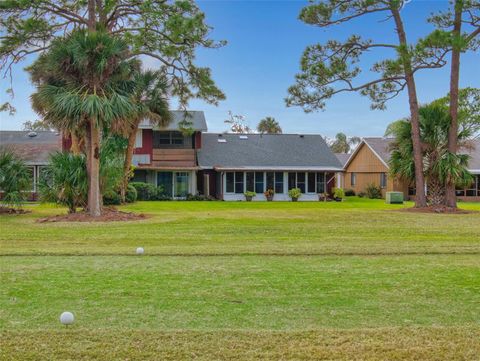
[368, 164]
[32, 147]
[166, 157]
[232, 164]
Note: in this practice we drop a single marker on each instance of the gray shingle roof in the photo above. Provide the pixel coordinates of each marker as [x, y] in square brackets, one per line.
[33, 150]
[267, 151]
[342, 157]
[196, 118]
[381, 146]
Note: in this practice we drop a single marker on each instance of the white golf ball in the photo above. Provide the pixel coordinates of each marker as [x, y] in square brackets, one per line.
[67, 318]
[140, 250]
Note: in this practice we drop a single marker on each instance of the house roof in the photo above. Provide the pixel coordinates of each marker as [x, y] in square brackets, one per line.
[342, 158]
[195, 118]
[266, 151]
[33, 147]
[381, 148]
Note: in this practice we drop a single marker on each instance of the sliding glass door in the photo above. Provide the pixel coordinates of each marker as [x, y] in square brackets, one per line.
[181, 184]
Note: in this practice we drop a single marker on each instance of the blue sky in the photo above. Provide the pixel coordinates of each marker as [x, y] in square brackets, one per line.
[265, 43]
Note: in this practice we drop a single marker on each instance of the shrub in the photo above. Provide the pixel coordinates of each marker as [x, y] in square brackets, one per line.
[338, 193]
[111, 198]
[198, 197]
[349, 192]
[145, 191]
[64, 181]
[131, 194]
[15, 179]
[250, 194]
[373, 192]
[295, 193]
[361, 194]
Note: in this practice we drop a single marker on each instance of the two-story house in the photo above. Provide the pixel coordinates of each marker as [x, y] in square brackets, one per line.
[167, 157]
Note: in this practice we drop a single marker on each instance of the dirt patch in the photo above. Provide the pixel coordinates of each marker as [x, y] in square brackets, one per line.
[108, 215]
[437, 209]
[8, 210]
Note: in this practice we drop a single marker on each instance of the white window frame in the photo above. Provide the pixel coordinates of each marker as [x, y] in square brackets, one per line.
[139, 139]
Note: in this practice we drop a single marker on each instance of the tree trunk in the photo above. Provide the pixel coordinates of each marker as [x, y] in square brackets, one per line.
[75, 147]
[128, 161]
[420, 198]
[93, 170]
[436, 194]
[450, 196]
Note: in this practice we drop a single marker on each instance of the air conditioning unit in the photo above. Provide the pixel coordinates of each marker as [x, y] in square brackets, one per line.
[394, 198]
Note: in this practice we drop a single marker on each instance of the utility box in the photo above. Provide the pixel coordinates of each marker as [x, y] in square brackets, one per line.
[394, 198]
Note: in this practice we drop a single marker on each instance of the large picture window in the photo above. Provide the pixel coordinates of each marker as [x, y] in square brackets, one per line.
[279, 182]
[250, 182]
[321, 182]
[301, 182]
[292, 180]
[311, 183]
[239, 182]
[259, 182]
[270, 177]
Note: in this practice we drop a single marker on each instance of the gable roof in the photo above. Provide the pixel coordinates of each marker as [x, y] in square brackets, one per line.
[266, 151]
[33, 149]
[381, 148]
[342, 158]
[196, 118]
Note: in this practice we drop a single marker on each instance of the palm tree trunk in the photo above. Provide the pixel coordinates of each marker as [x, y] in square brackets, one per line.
[75, 147]
[93, 169]
[450, 196]
[436, 194]
[420, 198]
[128, 161]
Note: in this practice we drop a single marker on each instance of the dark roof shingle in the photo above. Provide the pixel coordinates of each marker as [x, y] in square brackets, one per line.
[34, 150]
[267, 151]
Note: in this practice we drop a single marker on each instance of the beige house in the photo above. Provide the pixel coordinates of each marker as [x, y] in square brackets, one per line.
[368, 164]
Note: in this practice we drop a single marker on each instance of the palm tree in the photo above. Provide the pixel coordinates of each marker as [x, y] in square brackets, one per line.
[150, 96]
[15, 179]
[343, 144]
[84, 85]
[440, 166]
[269, 125]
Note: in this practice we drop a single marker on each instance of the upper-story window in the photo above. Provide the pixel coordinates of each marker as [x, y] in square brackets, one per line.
[170, 138]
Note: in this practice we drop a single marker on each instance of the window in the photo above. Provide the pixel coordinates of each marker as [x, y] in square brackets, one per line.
[238, 182]
[181, 184]
[301, 182]
[292, 180]
[250, 182]
[311, 183]
[353, 179]
[167, 138]
[138, 138]
[320, 182]
[270, 180]
[278, 182]
[383, 180]
[259, 182]
[230, 177]
[139, 175]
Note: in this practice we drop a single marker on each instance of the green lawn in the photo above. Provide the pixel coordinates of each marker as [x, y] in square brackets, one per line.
[357, 280]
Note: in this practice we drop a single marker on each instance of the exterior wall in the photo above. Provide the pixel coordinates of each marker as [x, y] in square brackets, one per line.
[147, 145]
[330, 178]
[368, 169]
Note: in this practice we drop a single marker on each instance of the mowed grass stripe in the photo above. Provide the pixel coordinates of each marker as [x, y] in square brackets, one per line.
[241, 293]
[356, 226]
[393, 344]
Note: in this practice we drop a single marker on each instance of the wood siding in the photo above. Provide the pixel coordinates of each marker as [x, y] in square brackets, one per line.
[368, 169]
[173, 158]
